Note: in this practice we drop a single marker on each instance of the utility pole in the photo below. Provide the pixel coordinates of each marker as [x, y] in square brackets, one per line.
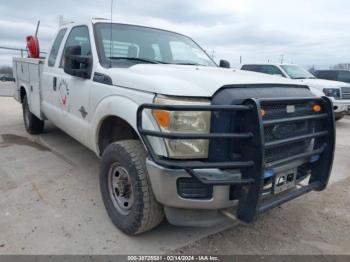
[212, 54]
[282, 58]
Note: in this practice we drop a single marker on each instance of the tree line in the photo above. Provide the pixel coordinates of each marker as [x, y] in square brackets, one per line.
[6, 70]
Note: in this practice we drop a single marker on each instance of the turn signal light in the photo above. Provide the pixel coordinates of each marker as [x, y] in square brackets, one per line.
[262, 112]
[162, 117]
[316, 108]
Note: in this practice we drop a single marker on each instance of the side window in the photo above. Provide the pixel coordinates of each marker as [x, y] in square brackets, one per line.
[271, 70]
[326, 75]
[56, 46]
[252, 68]
[78, 36]
[344, 77]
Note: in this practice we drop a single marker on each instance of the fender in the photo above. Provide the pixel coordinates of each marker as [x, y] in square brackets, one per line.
[126, 109]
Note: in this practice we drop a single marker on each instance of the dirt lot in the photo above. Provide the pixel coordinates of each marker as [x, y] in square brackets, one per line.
[50, 204]
[315, 224]
[6, 88]
[50, 201]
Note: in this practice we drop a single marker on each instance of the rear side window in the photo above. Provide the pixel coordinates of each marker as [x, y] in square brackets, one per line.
[266, 69]
[344, 77]
[253, 68]
[56, 46]
[330, 75]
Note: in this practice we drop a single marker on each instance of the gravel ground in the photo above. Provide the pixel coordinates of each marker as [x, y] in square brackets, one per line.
[317, 223]
[6, 88]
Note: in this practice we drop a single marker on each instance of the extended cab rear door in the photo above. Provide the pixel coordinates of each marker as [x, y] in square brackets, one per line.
[72, 95]
[49, 78]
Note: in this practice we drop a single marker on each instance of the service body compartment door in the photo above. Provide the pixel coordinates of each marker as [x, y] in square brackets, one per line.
[34, 89]
[28, 76]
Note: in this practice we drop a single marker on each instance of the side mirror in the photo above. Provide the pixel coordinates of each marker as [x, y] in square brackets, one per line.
[76, 64]
[224, 64]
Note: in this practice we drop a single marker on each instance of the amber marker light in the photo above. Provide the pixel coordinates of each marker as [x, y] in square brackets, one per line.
[262, 112]
[316, 108]
[162, 117]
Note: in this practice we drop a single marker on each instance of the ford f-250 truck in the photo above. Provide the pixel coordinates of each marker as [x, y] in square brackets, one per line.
[177, 135]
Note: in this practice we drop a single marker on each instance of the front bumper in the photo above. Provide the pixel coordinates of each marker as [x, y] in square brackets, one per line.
[164, 185]
[341, 106]
[251, 199]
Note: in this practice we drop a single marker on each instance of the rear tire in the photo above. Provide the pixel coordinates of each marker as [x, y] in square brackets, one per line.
[126, 190]
[32, 124]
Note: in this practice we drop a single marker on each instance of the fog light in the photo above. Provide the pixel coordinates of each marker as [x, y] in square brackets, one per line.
[316, 108]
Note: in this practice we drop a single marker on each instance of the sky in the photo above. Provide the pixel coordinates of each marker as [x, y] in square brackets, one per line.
[308, 32]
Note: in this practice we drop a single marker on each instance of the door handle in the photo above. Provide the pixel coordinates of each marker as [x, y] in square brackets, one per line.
[54, 83]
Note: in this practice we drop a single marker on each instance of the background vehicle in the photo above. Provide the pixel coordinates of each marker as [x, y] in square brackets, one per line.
[336, 75]
[5, 78]
[176, 134]
[338, 91]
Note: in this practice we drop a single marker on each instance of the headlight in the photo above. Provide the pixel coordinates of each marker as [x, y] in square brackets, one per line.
[184, 122]
[332, 92]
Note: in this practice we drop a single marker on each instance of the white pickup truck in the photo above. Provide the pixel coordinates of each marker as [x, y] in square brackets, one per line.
[177, 135]
[338, 92]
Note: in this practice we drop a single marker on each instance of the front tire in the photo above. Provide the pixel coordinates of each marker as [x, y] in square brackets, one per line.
[126, 190]
[32, 124]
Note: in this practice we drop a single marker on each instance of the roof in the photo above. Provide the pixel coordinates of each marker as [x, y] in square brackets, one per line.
[273, 64]
[332, 70]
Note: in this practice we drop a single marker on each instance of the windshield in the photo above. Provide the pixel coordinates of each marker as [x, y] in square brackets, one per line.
[297, 72]
[136, 44]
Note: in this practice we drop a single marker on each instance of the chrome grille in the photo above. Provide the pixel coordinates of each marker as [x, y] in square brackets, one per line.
[345, 92]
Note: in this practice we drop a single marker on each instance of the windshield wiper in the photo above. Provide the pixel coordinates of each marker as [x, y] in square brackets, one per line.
[136, 59]
[189, 63]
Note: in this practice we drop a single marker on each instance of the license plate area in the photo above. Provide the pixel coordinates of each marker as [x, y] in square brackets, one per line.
[284, 181]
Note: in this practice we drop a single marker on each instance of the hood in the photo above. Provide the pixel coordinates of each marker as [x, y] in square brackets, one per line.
[316, 91]
[322, 83]
[180, 80]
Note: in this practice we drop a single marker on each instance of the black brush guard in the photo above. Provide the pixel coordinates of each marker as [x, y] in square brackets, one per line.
[252, 164]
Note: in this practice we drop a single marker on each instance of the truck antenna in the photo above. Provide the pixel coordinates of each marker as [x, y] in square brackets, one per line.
[111, 35]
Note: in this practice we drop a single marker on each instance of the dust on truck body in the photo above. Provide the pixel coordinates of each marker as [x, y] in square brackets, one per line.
[177, 135]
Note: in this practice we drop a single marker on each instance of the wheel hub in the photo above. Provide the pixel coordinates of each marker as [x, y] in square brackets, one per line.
[120, 189]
